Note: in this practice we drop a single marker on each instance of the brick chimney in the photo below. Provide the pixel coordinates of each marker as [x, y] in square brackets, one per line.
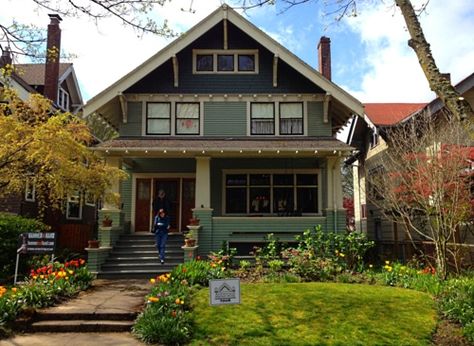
[324, 56]
[53, 47]
[6, 58]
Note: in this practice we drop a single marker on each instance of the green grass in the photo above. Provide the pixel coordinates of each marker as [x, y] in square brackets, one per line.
[316, 314]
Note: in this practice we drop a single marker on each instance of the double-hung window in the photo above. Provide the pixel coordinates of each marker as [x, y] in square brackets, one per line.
[63, 99]
[187, 118]
[74, 206]
[242, 61]
[30, 192]
[291, 118]
[262, 118]
[158, 118]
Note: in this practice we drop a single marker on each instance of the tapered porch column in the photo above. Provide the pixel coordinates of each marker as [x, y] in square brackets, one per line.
[203, 182]
[335, 212]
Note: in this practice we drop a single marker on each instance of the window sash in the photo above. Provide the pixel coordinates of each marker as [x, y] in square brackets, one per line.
[159, 110]
[246, 62]
[262, 118]
[187, 118]
[204, 62]
[74, 206]
[225, 62]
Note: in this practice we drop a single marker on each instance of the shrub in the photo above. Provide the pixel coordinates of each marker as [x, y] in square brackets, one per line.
[11, 226]
[456, 301]
[199, 272]
[166, 318]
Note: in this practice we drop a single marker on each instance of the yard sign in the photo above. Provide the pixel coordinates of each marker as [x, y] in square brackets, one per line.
[225, 291]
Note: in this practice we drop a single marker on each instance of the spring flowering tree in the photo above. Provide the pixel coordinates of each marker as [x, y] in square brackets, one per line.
[424, 181]
[49, 150]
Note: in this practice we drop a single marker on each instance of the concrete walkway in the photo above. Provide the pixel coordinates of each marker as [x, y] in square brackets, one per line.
[106, 297]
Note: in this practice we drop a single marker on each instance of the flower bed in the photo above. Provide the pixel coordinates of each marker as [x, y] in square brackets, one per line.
[45, 286]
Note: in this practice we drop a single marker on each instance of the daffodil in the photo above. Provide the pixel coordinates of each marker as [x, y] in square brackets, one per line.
[152, 281]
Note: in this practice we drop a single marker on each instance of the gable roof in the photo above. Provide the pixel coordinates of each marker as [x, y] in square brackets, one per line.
[33, 74]
[110, 94]
[388, 114]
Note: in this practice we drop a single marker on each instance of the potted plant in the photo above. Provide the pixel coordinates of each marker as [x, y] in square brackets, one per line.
[189, 239]
[194, 221]
[107, 221]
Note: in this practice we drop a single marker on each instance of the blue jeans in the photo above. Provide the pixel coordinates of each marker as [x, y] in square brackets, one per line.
[161, 238]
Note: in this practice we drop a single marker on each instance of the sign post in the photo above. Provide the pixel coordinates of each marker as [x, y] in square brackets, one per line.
[34, 243]
[224, 291]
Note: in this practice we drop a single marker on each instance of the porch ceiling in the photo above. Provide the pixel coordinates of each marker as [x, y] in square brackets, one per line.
[190, 147]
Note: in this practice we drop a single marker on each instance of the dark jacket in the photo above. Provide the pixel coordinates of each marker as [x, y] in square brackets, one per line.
[161, 224]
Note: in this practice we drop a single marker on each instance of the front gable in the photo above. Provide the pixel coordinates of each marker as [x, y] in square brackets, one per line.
[161, 80]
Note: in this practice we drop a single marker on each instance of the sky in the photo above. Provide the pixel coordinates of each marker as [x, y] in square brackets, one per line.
[370, 56]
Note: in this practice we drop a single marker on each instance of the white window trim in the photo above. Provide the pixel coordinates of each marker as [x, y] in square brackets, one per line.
[68, 202]
[65, 97]
[173, 117]
[277, 117]
[86, 200]
[225, 172]
[33, 192]
[234, 52]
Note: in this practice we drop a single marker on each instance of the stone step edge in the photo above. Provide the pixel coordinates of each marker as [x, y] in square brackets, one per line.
[86, 316]
[72, 326]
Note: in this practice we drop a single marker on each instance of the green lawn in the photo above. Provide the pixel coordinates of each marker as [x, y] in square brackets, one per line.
[316, 314]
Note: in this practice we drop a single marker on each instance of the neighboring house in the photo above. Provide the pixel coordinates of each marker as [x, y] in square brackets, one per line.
[367, 134]
[58, 82]
[235, 129]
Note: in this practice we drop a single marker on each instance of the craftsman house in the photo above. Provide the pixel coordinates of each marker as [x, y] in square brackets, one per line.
[368, 135]
[56, 81]
[235, 129]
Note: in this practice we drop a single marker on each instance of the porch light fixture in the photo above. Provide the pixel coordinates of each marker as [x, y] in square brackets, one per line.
[315, 151]
[146, 151]
[240, 151]
[184, 151]
[278, 151]
[334, 151]
[164, 151]
[203, 151]
[460, 98]
[222, 151]
[259, 151]
[126, 151]
[296, 151]
[107, 151]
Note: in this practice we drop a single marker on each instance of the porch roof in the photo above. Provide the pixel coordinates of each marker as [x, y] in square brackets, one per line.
[312, 145]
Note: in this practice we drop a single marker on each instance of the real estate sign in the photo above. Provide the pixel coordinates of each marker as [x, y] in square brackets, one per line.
[37, 243]
[224, 291]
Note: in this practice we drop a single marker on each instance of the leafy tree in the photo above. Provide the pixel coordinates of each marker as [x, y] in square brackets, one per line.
[424, 182]
[47, 148]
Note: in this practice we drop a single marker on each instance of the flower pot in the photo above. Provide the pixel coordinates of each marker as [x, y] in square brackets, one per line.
[107, 223]
[93, 244]
[189, 242]
[194, 221]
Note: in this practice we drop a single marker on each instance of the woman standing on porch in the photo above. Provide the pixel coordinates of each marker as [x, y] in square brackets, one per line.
[161, 225]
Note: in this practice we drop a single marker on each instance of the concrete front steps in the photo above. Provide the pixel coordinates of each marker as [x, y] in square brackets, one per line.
[135, 256]
[67, 322]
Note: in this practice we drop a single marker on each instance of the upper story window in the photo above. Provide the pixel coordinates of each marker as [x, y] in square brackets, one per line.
[291, 118]
[374, 138]
[262, 118]
[158, 118]
[225, 61]
[187, 118]
[63, 99]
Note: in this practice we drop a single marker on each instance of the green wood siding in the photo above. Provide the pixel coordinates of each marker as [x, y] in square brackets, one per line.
[133, 127]
[225, 118]
[316, 125]
[126, 196]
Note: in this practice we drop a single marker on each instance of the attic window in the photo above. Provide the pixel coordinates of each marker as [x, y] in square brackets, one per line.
[63, 99]
[225, 61]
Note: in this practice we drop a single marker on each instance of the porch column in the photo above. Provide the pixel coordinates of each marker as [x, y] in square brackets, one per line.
[335, 213]
[203, 182]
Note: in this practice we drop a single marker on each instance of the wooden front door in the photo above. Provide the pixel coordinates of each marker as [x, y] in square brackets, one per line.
[142, 205]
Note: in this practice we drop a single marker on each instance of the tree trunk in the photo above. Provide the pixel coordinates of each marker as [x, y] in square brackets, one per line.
[460, 108]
